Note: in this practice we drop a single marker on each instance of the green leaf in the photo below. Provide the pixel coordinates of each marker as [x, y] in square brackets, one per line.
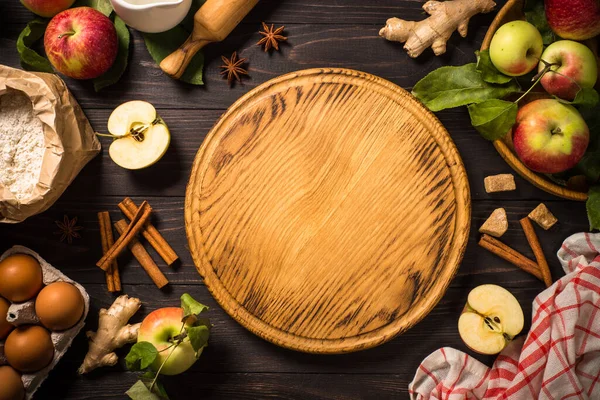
[103, 6]
[139, 391]
[30, 59]
[198, 336]
[115, 72]
[162, 44]
[488, 71]
[493, 118]
[593, 207]
[536, 15]
[449, 87]
[586, 97]
[160, 391]
[191, 306]
[141, 356]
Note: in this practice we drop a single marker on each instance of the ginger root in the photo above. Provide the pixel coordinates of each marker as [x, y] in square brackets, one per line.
[445, 18]
[113, 333]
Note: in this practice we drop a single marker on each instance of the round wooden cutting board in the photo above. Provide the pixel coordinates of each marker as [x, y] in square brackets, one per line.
[327, 211]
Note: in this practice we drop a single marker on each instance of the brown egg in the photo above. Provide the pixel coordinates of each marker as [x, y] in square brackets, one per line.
[59, 306]
[29, 348]
[5, 326]
[12, 386]
[20, 278]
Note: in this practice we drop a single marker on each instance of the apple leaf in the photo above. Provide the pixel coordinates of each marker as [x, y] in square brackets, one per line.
[198, 336]
[191, 306]
[30, 59]
[593, 207]
[449, 87]
[141, 391]
[488, 71]
[536, 16]
[115, 72]
[493, 118]
[141, 356]
[103, 6]
[162, 44]
[586, 97]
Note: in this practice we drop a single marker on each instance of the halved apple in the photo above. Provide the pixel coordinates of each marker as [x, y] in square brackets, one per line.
[491, 318]
[141, 136]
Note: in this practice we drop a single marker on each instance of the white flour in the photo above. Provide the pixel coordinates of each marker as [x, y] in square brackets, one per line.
[21, 145]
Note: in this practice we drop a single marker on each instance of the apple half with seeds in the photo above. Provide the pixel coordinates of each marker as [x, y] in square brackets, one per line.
[491, 318]
[141, 136]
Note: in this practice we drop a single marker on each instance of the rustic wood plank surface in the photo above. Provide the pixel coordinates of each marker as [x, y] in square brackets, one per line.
[237, 364]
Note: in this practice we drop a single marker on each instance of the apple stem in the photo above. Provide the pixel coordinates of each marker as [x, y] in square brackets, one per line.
[105, 135]
[69, 33]
[162, 365]
[537, 78]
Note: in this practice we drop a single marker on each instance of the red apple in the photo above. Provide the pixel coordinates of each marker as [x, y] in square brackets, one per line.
[575, 68]
[549, 136]
[159, 328]
[574, 19]
[81, 43]
[47, 8]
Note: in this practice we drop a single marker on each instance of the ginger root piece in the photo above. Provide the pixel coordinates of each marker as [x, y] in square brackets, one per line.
[499, 183]
[497, 224]
[445, 18]
[113, 333]
[543, 217]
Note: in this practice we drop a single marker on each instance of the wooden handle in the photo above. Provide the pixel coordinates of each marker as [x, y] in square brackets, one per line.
[213, 22]
[175, 63]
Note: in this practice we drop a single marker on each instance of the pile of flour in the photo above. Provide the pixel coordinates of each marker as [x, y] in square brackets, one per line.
[21, 144]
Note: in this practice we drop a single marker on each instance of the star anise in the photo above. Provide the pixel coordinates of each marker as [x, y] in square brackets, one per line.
[232, 68]
[68, 229]
[272, 37]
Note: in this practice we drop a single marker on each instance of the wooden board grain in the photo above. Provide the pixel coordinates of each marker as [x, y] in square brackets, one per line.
[328, 211]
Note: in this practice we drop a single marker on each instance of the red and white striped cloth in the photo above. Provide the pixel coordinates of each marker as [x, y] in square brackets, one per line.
[559, 359]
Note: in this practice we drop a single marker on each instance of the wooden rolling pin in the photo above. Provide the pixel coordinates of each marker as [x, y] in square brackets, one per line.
[213, 22]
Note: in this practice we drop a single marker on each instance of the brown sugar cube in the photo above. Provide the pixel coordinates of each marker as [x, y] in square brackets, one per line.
[499, 183]
[497, 224]
[543, 217]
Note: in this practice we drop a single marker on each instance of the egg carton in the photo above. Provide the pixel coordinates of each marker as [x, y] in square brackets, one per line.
[24, 314]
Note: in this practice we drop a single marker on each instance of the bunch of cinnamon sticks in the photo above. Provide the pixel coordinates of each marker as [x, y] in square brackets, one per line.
[538, 268]
[139, 223]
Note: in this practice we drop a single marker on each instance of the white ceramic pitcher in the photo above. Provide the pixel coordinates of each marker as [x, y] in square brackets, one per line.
[152, 15]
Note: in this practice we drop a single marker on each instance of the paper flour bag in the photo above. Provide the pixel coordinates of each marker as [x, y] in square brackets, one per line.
[45, 140]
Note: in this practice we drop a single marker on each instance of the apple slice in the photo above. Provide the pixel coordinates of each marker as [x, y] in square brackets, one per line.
[491, 318]
[141, 136]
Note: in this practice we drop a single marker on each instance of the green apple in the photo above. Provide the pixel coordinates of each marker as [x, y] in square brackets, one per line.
[516, 48]
[160, 328]
[141, 136]
[491, 318]
[573, 67]
[550, 137]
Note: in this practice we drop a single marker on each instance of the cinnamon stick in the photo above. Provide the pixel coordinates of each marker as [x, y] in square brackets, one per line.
[150, 233]
[534, 242]
[511, 255]
[137, 222]
[113, 277]
[140, 253]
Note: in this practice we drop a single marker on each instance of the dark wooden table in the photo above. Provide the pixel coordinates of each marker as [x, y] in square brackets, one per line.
[238, 364]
